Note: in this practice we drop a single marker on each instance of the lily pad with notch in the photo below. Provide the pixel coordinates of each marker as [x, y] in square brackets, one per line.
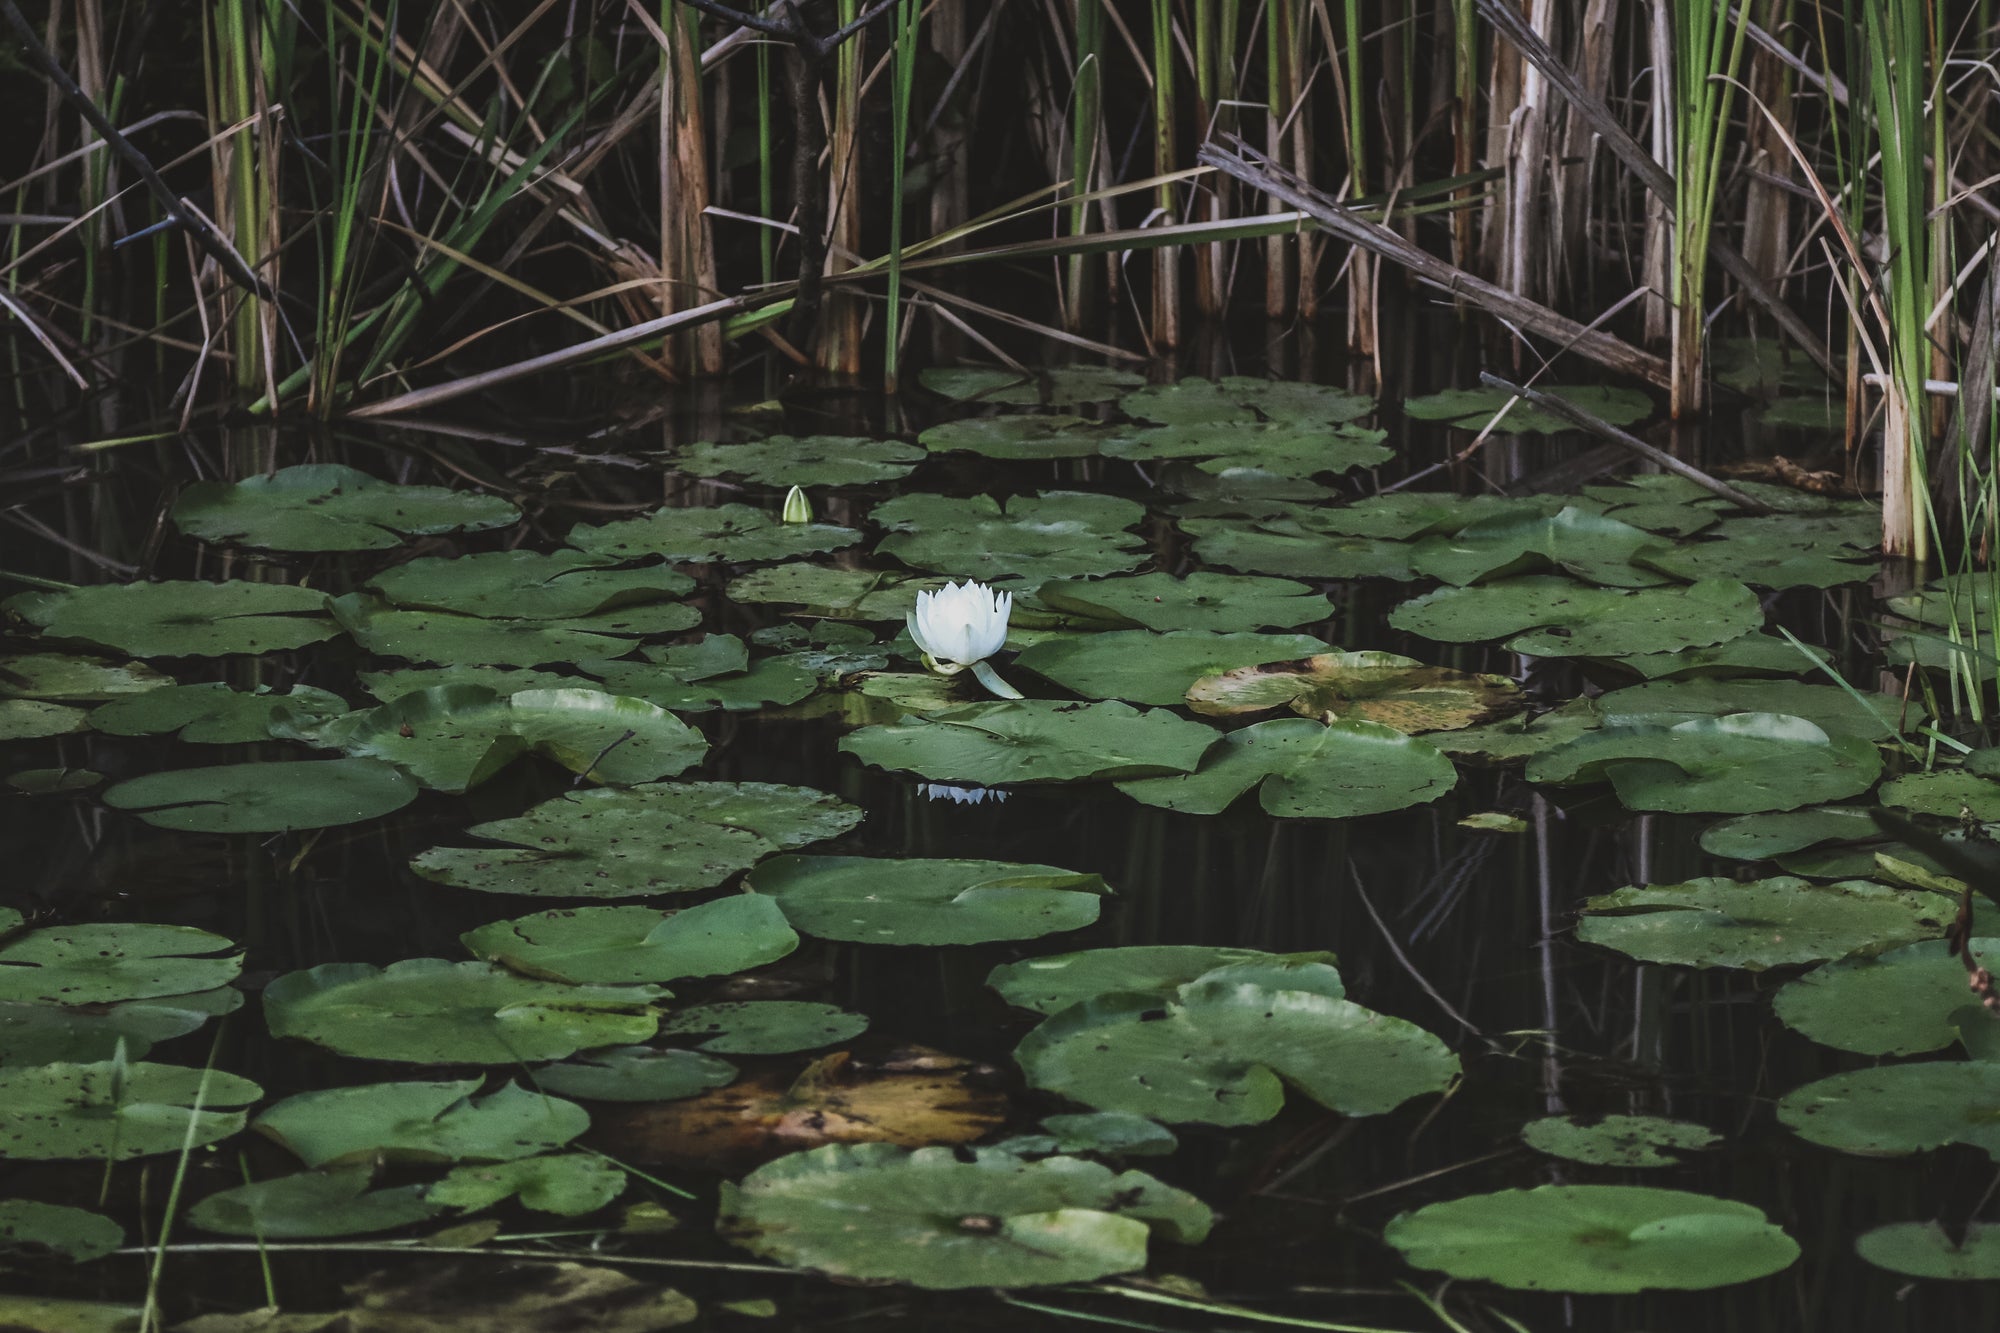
[1550, 616]
[1867, 714]
[313, 1205]
[1306, 770]
[39, 1034]
[1016, 436]
[74, 1233]
[420, 1121]
[212, 713]
[73, 678]
[876, 900]
[1142, 667]
[181, 618]
[1049, 386]
[1575, 541]
[1764, 836]
[763, 1027]
[1473, 409]
[1285, 545]
[1953, 793]
[1900, 1002]
[442, 636]
[1053, 983]
[1923, 1249]
[1396, 691]
[266, 798]
[1034, 740]
[1239, 399]
[1032, 538]
[1741, 763]
[331, 507]
[1204, 600]
[1893, 1110]
[115, 1110]
[613, 946]
[801, 460]
[1617, 1140]
[1773, 922]
[1754, 654]
[566, 1184]
[635, 1074]
[1521, 736]
[732, 532]
[844, 594]
[528, 585]
[104, 962]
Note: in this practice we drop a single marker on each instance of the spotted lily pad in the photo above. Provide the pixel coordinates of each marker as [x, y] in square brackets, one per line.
[763, 1027]
[872, 900]
[1051, 984]
[802, 460]
[1617, 1140]
[421, 1121]
[848, 594]
[1142, 667]
[32, 719]
[568, 1184]
[1472, 409]
[265, 798]
[1902, 1002]
[658, 838]
[1922, 1249]
[527, 585]
[33, 1033]
[1219, 603]
[1594, 1239]
[1892, 1110]
[876, 1211]
[1737, 764]
[1522, 736]
[622, 945]
[733, 532]
[102, 962]
[330, 507]
[1054, 535]
[312, 1204]
[1551, 616]
[431, 1011]
[1034, 740]
[1714, 922]
[181, 619]
[212, 713]
[1953, 793]
[114, 1110]
[1761, 837]
[67, 676]
[74, 1233]
[1307, 771]
[1398, 692]
[1776, 551]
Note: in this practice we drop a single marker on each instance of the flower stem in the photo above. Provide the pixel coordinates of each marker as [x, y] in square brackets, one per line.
[991, 680]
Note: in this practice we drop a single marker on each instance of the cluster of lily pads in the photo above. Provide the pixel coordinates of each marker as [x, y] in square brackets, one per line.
[1180, 689]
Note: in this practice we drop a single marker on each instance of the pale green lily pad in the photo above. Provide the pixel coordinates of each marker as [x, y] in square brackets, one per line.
[1284, 545]
[265, 798]
[113, 1110]
[1054, 535]
[422, 1122]
[1576, 541]
[666, 837]
[1569, 619]
[1617, 1140]
[1776, 551]
[1867, 714]
[770, 680]
[441, 636]
[1398, 692]
[801, 460]
[1660, 502]
[636, 1074]
[1775, 922]
[1236, 399]
[1307, 771]
[1222, 1047]
[431, 1011]
[75, 1234]
[33, 719]
[1892, 1110]
[103, 962]
[1051, 386]
[849, 594]
[1738, 764]
[621, 945]
[389, 686]
[214, 714]
[181, 619]
[1472, 409]
[1944, 791]
[1034, 740]
[1016, 436]
[1761, 837]
[330, 507]
[313, 1205]
[1408, 515]
[40, 1034]
[1522, 736]
[763, 1027]
[54, 1314]
[872, 900]
[1594, 1239]
[1142, 667]
[77, 679]
[1051, 984]
[1219, 603]
[527, 585]
[873, 1211]
[1902, 1002]
[1109, 1133]
[1922, 1249]
[731, 532]
[569, 1185]
[1756, 654]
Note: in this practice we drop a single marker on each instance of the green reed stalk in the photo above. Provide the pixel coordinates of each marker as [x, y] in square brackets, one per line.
[1281, 91]
[839, 350]
[1086, 133]
[766, 156]
[352, 162]
[903, 74]
[1166, 266]
[1708, 52]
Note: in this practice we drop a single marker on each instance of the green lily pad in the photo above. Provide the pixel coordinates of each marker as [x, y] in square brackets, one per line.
[1714, 922]
[1617, 1140]
[1761, 837]
[1307, 771]
[66, 676]
[102, 962]
[801, 460]
[636, 1074]
[569, 1185]
[389, 686]
[1576, 541]
[1594, 1239]
[1892, 1110]
[419, 1121]
[1755, 654]
[1223, 488]
[1280, 448]
[39, 1034]
[75, 1234]
[1109, 1133]
[265, 798]
[873, 1211]
[431, 1011]
[1902, 1002]
[441, 636]
[1054, 535]
[733, 532]
[1659, 502]
[527, 585]
[1239, 399]
[330, 507]
[1016, 436]
[1034, 740]
[849, 594]
[763, 1027]
[1738, 764]
[658, 838]
[312, 1205]
[1222, 1047]
[1867, 714]
[53, 781]
[620, 945]
[1568, 619]
[1944, 791]
[181, 619]
[1051, 386]
[1142, 667]
[770, 680]
[114, 1110]
[872, 900]
[1398, 692]
[1522, 736]
[1472, 409]
[1776, 551]
[1922, 1249]
[1408, 515]
[1284, 545]
[1219, 603]
[1054, 983]
[214, 714]
[32, 719]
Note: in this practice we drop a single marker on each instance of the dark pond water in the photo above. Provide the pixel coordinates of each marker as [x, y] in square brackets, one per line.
[1465, 932]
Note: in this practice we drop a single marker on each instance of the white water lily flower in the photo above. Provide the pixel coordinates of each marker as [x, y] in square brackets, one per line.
[960, 624]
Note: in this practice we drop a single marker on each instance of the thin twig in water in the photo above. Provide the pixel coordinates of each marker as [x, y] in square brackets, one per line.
[1390, 939]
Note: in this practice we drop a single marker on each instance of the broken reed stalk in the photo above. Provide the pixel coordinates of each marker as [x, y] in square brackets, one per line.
[687, 251]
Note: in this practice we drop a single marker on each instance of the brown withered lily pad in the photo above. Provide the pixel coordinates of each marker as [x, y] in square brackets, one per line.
[1398, 692]
[912, 1097]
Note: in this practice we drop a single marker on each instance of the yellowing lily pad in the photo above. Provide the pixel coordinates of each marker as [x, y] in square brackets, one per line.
[1395, 691]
